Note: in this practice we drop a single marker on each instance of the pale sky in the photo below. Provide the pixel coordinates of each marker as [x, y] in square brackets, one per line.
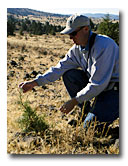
[79, 10]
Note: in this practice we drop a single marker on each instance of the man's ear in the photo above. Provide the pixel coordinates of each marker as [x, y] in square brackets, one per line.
[86, 28]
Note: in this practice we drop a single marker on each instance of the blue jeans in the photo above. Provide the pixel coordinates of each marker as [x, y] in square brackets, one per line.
[106, 108]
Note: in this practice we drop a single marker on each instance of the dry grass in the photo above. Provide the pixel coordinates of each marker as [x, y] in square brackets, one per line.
[39, 53]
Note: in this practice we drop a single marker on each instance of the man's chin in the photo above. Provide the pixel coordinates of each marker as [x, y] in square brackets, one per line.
[76, 43]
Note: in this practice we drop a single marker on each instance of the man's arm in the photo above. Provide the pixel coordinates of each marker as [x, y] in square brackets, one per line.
[55, 72]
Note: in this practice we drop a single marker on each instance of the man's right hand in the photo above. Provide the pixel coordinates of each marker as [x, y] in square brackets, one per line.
[27, 86]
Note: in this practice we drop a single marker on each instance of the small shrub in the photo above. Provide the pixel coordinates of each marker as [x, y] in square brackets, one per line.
[30, 121]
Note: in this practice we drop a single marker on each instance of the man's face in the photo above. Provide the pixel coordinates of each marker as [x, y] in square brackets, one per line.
[80, 36]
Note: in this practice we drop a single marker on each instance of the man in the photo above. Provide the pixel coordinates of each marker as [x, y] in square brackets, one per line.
[98, 77]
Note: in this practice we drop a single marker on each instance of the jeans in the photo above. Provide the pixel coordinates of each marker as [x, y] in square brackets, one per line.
[106, 108]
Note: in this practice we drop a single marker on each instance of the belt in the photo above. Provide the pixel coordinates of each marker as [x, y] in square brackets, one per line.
[116, 86]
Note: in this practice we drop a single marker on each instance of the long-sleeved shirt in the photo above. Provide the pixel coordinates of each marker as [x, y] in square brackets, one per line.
[102, 65]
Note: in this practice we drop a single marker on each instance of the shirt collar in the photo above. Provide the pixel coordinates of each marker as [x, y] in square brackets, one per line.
[86, 48]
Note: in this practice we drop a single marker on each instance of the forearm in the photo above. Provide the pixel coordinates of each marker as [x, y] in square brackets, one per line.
[34, 83]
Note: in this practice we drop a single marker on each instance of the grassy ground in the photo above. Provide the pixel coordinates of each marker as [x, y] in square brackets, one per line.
[38, 53]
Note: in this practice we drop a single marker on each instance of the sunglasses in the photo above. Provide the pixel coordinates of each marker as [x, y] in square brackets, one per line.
[75, 32]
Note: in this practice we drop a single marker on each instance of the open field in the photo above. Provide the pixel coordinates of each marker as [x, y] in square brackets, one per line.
[37, 53]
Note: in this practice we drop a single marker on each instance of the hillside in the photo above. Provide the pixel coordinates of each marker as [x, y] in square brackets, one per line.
[26, 12]
[101, 15]
[43, 17]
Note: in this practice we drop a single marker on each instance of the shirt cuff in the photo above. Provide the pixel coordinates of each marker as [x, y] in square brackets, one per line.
[39, 80]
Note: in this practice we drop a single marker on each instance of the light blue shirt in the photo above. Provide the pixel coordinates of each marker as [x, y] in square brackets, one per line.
[102, 65]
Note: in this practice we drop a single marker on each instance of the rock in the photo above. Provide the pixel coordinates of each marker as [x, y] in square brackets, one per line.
[20, 67]
[33, 89]
[13, 63]
[11, 74]
[42, 64]
[21, 58]
[33, 74]
[62, 56]
[45, 52]
[51, 58]
[27, 76]
[51, 107]
[44, 87]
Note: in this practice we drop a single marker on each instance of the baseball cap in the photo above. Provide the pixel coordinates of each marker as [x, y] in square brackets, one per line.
[75, 21]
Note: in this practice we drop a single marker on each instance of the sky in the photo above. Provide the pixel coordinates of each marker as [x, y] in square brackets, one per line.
[79, 10]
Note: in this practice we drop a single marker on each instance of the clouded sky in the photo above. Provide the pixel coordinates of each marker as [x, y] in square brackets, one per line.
[79, 10]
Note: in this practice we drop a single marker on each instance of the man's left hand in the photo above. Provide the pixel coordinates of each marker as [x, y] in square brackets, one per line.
[68, 106]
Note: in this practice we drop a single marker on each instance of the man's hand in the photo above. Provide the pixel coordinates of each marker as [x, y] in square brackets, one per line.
[27, 86]
[68, 106]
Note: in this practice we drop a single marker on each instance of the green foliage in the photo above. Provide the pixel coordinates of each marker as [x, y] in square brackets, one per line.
[110, 29]
[21, 32]
[30, 121]
[32, 27]
[11, 26]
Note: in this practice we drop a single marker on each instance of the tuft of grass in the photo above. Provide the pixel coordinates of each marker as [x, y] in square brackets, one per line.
[30, 121]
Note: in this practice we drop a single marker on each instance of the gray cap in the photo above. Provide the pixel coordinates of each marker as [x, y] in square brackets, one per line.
[75, 21]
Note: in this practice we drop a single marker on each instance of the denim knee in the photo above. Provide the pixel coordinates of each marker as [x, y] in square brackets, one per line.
[68, 75]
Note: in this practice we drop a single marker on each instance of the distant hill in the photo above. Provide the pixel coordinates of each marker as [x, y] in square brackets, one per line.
[100, 15]
[26, 12]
